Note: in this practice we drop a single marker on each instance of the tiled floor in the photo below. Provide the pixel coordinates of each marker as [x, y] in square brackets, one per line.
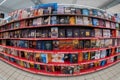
[8, 72]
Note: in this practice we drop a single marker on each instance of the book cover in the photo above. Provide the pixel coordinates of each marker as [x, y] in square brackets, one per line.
[108, 52]
[67, 70]
[67, 10]
[37, 57]
[56, 45]
[67, 19]
[78, 11]
[69, 32]
[60, 9]
[92, 55]
[72, 20]
[79, 20]
[93, 43]
[74, 58]
[85, 56]
[77, 68]
[75, 44]
[48, 45]
[107, 24]
[85, 11]
[46, 20]
[34, 22]
[45, 33]
[38, 33]
[97, 55]
[76, 32]
[62, 33]
[54, 20]
[62, 45]
[54, 32]
[82, 32]
[95, 22]
[86, 20]
[87, 44]
[102, 53]
[98, 32]
[67, 58]
[103, 62]
[39, 45]
[49, 68]
[32, 44]
[94, 12]
[101, 23]
[40, 21]
[73, 10]
[68, 45]
[32, 33]
[102, 43]
[57, 58]
[62, 20]
[44, 58]
[87, 33]
[81, 44]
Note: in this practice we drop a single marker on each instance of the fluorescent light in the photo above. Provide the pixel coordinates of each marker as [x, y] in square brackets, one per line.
[2, 2]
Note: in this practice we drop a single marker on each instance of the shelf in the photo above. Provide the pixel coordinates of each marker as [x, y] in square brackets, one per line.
[59, 64]
[57, 15]
[51, 74]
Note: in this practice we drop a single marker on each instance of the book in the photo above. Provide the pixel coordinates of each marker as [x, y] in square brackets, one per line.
[49, 68]
[101, 23]
[73, 10]
[78, 11]
[85, 11]
[54, 20]
[67, 20]
[75, 44]
[103, 62]
[94, 12]
[39, 21]
[81, 44]
[74, 58]
[97, 55]
[107, 24]
[85, 56]
[61, 33]
[55, 45]
[32, 33]
[60, 9]
[102, 53]
[44, 58]
[32, 44]
[67, 69]
[98, 32]
[34, 22]
[102, 43]
[87, 44]
[82, 32]
[77, 68]
[57, 58]
[38, 33]
[86, 20]
[40, 11]
[45, 33]
[37, 57]
[54, 32]
[67, 10]
[72, 20]
[46, 20]
[79, 20]
[39, 45]
[95, 22]
[67, 58]
[76, 32]
[108, 52]
[69, 32]
[93, 43]
[92, 55]
[48, 45]
[87, 33]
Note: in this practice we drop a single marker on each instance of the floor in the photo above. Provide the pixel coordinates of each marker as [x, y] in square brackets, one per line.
[8, 72]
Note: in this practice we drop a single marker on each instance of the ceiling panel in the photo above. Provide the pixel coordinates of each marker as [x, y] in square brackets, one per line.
[115, 9]
[93, 3]
[58, 1]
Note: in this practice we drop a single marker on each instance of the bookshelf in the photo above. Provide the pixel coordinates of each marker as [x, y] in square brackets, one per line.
[51, 42]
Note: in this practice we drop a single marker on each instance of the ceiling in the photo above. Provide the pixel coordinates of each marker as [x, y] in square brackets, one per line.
[11, 5]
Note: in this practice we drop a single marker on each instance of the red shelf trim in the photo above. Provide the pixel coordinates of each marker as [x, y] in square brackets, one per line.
[51, 74]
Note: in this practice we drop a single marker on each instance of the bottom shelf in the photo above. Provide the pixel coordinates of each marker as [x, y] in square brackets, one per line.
[32, 70]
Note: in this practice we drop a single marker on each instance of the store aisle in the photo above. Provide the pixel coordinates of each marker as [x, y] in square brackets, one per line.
[8, 72]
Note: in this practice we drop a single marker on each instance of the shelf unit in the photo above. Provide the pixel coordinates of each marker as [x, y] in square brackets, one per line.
[26, 58]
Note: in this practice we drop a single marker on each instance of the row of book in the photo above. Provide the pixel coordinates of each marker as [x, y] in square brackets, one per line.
[62, 44]
[61, 69]
[55, 9]
[61, 57]
[55, 32]
[52, 20]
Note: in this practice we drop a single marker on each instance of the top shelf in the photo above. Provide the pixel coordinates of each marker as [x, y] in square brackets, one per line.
[91, 16]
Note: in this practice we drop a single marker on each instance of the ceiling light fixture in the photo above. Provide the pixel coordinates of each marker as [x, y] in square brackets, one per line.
[2, 2]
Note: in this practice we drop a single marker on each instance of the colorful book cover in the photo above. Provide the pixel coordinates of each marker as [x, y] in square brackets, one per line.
[85, 11]
[54, 32]
[74, 58]
[73, 10]
[97, 55]
[62, 33]
[60, 9]
[38, 33]
[45, 33]
[39, 45]
[95, 22]
[72, 20]
[81, 44]
[87, 33]
[76, 32]
[75, 44]
[69, 33]
[103, 54]
[92, 55]
[85, 56]
[56, 45]
[102, 63]
[44, 58]
[48, 45]
[77, 68]
[78, 11]
[67, 10]
[67, 58]
[82, 32]
[79, 20]
[57, 58]
[86, 20]
[93, 43]
[54, 20]
[87, 44]
[32, 33]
